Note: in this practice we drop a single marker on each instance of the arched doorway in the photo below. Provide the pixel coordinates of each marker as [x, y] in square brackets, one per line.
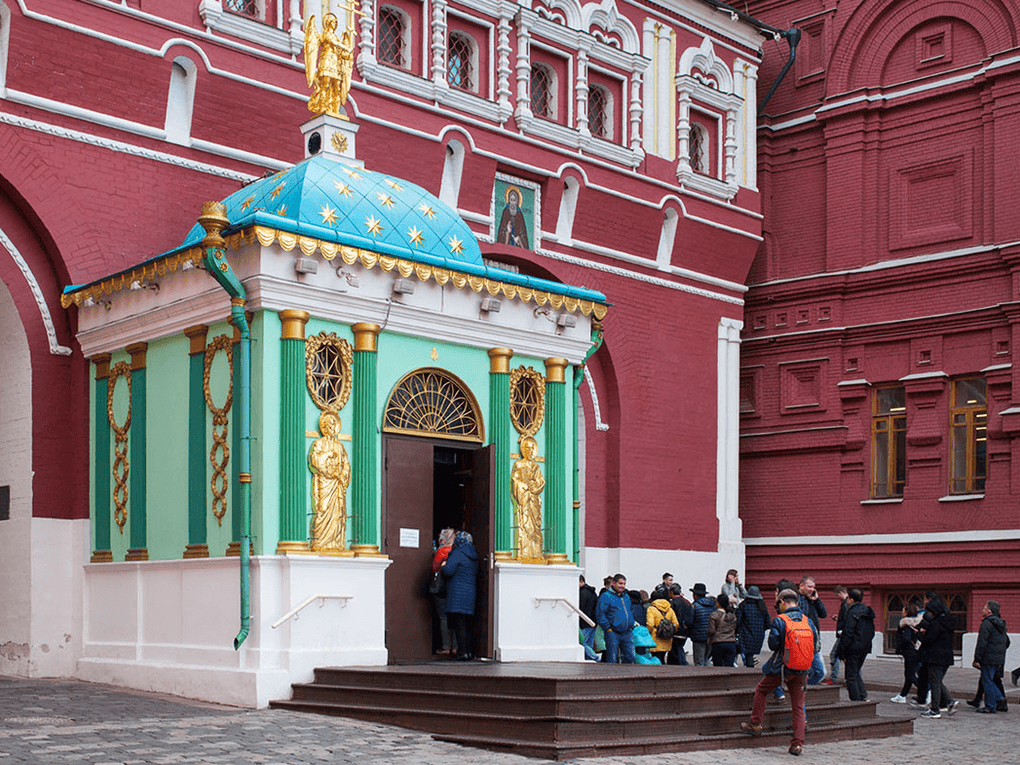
[437, 473]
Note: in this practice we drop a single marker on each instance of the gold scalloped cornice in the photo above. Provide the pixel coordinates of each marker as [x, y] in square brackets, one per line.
[349, 255]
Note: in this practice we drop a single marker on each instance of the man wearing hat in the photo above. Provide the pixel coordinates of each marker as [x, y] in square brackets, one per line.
[752, 623]
[702, 607]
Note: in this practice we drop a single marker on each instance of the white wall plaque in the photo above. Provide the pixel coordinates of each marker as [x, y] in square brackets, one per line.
[409, 537]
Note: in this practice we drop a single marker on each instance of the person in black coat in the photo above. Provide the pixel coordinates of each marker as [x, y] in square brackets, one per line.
[990, 657]
[685, 617]
[461, 571]
[937, 639]
[855, 643]
[586, 600]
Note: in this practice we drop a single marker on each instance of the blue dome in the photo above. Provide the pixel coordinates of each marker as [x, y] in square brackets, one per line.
[335, 202]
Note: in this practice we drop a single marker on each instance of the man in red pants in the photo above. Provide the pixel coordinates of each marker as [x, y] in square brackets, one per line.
[792, 639]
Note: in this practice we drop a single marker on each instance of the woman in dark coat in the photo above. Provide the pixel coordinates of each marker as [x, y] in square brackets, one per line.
[461, 571]
[937, 639]
[752, 623]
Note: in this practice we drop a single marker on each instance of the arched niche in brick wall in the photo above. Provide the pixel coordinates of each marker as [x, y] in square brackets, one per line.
[878, 32]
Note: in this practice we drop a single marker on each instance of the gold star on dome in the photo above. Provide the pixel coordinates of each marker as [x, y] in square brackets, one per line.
[373, 225]
[352, 174]
[394, 185]
[277, 190]
[328, 215]
[415, 236]
[456, 246]
[282, 210]
[427, 211]
[343, 188]
[247, 203]
[385, 200]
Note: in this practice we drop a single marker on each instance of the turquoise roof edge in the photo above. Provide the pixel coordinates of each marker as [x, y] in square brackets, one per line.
[280, 223]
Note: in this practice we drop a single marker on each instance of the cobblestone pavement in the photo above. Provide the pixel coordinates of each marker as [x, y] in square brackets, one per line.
[47, 721]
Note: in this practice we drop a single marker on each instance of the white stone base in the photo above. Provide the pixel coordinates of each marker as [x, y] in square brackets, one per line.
[528, 629]
[169, 626]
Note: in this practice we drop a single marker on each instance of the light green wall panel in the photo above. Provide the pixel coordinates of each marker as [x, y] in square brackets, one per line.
[265, 445]
[167, 447]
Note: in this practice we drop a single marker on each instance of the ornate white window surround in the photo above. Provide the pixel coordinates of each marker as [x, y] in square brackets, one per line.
[494, 104]
[281, 34]
[597, 20]
[705, 79]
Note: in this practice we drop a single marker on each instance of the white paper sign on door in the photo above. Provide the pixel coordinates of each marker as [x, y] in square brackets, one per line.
[409, 537]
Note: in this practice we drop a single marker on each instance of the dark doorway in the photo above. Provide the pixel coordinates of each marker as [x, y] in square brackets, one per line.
[430, 485]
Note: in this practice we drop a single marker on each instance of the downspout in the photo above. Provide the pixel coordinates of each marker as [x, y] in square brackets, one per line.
[214, 220]
[596, 343]
[792, 39]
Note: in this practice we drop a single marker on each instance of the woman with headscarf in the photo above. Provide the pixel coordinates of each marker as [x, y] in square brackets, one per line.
[444, 544]
[461, 572]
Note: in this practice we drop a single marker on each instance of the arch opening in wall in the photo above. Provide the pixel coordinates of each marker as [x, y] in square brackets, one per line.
[180, 101]
[432, 402]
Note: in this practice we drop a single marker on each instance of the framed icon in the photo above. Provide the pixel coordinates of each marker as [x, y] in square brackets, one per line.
[516, 212]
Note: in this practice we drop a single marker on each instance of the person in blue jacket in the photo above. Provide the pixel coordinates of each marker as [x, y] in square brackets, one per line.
[703, 607]
[613, 614]
[461, 571]
[775, 670]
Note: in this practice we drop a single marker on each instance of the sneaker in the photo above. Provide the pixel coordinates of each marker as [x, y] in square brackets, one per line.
[1015, 674]
[828, 681]
[973, 703]
[898, 699]
[951, 709]
[931, 715]
[1002, 706]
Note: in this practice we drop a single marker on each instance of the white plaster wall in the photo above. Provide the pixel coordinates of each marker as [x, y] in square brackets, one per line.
[644, 568]
[531, 630]
[59, 549]
[16, 472]
[169, 626]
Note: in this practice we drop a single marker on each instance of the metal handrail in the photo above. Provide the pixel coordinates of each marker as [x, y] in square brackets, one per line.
[294, 611]
[570, 605]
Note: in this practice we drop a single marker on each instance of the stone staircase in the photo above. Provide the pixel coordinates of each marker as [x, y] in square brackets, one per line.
[560, 711]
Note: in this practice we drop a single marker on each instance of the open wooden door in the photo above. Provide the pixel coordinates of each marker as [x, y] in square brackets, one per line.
[407, 524]
[481, 526]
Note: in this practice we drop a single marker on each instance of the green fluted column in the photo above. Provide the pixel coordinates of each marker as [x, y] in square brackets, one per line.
[138, 549]
[364, 476]
[101, 476]
[556, 461]
[197, 546]
[500, 439]
[293, 467]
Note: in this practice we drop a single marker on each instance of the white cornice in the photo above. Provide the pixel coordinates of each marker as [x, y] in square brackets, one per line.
[938, 537]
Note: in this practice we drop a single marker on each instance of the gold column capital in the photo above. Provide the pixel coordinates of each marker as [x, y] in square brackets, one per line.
[499, 360]
[293, 322]
[102, 362]
[197, 335]
[138, 352]
[366, 336]
[555, 370]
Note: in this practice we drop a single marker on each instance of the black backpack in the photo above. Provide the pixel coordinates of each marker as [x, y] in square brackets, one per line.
[666, 629]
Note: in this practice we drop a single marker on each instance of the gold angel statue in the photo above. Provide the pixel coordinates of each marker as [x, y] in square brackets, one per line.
[331, 475]
[329, 61]
[526, 487]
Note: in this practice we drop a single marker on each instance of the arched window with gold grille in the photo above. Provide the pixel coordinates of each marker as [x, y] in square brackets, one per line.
[432, 402]
[328, 368]
[527, 400]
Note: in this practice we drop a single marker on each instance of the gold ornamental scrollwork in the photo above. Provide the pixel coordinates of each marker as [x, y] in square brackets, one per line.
[329, 361]
[527, 400]
[219, 455]
[120, 443]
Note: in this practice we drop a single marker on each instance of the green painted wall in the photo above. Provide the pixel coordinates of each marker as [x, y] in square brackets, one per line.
[167, 364]
[265, 429]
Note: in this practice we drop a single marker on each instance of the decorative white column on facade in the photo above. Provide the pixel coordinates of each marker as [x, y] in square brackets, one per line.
[747, 157]
[366, 36]
[439, 45]
[728, 439]
[581, 93]
[523, 67]
[683, 133]
[730, 146]
[503, 70]
[636, 112]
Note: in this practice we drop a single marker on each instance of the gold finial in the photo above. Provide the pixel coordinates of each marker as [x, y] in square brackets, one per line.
[329, 74]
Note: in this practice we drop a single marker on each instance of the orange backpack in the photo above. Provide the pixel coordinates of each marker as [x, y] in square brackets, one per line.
[800, 643]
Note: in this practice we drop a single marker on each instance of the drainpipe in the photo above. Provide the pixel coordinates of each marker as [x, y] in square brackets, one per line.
[596, 343]
[792, 39]
[214, 220]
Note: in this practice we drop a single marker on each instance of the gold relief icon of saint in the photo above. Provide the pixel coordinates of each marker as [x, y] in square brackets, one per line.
[526, 484]
[329, 62]
[331, 475]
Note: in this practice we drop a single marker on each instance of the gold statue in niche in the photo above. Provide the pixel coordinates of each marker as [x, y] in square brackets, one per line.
[331, 475]
[527, 483]
[329, 61]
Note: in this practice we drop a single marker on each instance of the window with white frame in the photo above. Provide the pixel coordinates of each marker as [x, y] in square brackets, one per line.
[697, 148]
[460, 62]
[543, 91]
[244, 7]
[393, 37]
